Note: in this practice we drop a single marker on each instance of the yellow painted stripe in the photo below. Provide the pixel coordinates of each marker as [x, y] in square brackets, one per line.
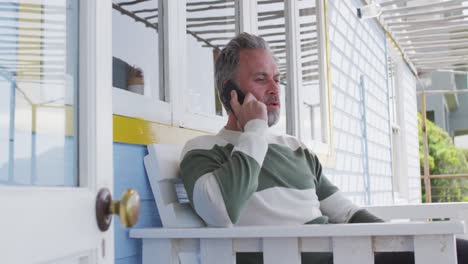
[142, 132]
[130, 130]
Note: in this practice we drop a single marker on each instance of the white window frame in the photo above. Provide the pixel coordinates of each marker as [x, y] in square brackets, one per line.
[176, 110]
[324, 148]
[182, 114]
[247, 16]
[398, 138]
[150, 108]
[135, 105]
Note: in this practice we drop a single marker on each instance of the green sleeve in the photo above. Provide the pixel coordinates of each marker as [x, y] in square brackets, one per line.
[236, 174]
[324, 187]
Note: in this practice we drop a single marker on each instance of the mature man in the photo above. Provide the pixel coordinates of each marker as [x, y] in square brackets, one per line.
[246, 175]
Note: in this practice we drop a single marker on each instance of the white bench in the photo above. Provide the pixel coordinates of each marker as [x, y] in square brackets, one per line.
[184, 238]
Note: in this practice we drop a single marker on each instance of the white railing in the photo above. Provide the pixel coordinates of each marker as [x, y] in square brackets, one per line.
[432, 242]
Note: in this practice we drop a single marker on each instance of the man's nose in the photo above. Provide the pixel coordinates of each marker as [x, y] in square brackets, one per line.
[273, 87]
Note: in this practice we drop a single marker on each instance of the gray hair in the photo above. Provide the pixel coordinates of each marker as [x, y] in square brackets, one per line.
[228, 60]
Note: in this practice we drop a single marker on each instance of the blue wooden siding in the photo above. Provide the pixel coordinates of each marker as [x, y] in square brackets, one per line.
[129, 172]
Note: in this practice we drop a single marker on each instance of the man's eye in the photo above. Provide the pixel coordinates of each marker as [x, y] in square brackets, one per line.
[259, 80]
[277, 81]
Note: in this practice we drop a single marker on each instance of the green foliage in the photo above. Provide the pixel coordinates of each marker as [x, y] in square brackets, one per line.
[465, 152]
[444, 158]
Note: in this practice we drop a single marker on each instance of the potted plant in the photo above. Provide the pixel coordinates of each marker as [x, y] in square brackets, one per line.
[136, 81]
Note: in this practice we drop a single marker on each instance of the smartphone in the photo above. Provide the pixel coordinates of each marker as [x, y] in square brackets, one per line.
[228, 86]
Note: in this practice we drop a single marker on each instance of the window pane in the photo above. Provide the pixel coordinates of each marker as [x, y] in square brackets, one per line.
[311, 106]
[38, 93]
[271, 26]
[210, 26]
[135, 47]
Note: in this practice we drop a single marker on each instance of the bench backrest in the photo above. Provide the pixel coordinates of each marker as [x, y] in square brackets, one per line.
[162, 168]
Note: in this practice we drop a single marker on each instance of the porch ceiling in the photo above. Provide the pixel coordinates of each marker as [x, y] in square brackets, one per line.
[431, 34]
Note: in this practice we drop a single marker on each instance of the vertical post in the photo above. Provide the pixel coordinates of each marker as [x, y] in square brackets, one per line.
[174, 32]
[294, 67]
[390, 75]
[352, 250]
[281, 250]
[33, 144]
[324, 72]
[246, 16]
[435, 249]
[213, 251]
[427, 180]
[365, 147]
[11, 150]
[159, 251]
[218, 105]
[312, 120]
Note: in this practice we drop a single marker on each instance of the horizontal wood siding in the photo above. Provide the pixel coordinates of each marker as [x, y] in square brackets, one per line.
[129, 172]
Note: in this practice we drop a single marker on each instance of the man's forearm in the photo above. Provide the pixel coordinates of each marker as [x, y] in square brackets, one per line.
[363, 216]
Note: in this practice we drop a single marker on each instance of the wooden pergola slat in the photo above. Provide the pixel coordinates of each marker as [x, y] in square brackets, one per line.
[211, 7]
[204, 3]
[424, 13]
[422, 6]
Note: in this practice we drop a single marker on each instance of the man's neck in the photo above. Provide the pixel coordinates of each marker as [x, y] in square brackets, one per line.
[232, 123]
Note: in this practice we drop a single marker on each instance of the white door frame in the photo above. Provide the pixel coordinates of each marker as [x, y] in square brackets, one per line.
[49, 224]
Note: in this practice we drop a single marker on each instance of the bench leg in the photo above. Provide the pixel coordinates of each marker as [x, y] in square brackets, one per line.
[281, 250]
[159, 251]
[435, 249]
[352, 250]
[215, 251]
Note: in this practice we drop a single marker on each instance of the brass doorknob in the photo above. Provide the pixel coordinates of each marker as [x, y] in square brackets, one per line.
[128, 208]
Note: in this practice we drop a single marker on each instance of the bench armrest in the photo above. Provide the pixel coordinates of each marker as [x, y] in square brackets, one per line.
[341, 230]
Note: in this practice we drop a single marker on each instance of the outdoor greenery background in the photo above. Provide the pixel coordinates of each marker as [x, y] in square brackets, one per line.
[444, 158]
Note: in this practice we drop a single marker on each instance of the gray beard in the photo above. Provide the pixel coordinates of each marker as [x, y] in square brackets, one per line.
[273, 117]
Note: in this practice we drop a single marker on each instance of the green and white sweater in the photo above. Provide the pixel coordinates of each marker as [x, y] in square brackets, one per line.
[257, 178]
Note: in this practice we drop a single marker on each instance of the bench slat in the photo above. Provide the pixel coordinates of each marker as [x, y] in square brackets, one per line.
[352, 250]
[214, 251]
[316, 244]
[163, 250]
[281, 251]
[393, 243]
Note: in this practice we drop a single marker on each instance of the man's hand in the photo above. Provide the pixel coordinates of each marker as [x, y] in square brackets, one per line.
[250, 109]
